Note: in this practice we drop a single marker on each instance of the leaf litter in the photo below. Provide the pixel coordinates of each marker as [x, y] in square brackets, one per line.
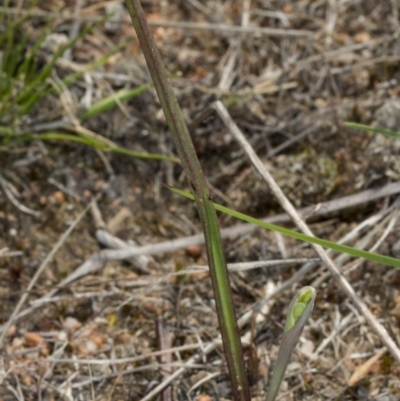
[97, 336]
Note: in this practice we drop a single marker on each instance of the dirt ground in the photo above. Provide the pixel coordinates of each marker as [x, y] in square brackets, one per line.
[290, 77]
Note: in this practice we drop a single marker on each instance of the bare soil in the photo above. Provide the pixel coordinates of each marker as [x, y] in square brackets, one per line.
[289, 91]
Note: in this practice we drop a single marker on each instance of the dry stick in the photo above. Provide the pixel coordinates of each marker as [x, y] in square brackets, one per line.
[164, 340]
[75, 26]
[6, 188]
[285, 203]
[94, 264]
[139, 262]
[348, 237]
[233, 28]
[242, 321]
[366, 63]
[98, 260]
[227, 29]
[35, 278]
[239, 229]
[115, 361]
[363, 243]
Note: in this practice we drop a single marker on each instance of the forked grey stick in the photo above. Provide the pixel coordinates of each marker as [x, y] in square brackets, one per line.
[289, 208]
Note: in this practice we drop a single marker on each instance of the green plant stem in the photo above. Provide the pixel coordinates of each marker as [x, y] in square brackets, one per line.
[219, 273]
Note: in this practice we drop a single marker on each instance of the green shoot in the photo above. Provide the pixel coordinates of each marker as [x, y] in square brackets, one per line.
[299, 312]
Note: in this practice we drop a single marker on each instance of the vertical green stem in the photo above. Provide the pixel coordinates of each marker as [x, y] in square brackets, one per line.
[219, 274]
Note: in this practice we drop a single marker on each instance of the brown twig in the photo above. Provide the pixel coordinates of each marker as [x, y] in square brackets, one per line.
[164, 340]
[40, 270]
[287, 205]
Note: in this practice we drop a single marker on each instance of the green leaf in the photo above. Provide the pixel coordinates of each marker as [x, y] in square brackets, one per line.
[112, 101]
[95, 142]
[384, 131]
[373, 257]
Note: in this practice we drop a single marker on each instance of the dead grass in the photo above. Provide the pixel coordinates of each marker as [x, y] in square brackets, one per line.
[96, 338]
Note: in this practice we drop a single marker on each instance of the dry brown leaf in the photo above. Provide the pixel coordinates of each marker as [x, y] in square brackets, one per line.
[365, 368]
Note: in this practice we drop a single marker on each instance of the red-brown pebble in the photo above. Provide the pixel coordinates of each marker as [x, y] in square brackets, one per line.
[194, 251]
[42, 201]
[33, 339]
[59, 197]
[87, 194]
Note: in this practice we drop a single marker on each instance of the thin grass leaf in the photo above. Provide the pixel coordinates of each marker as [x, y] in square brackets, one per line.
[46, 71]
[299, 312]
[359, 253]
[22, 83]
[64, 137]
[72, 78]
[6, 130]
[94, 142]
[113, 100]
[384, 131]
[21, 70]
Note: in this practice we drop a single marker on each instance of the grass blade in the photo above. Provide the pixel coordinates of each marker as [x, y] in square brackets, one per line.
[373, 257]
[95, 142]
[384, 131]
[113, 100]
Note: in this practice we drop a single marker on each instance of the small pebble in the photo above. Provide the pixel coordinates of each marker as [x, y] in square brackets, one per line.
[71, 324]
[204, 397]
[16, 343]
[59, 197]
[13, 232]
[90, 347]
[99, 185]
[97, 340]
[26, 379]
[194, 251]
[62, 336]
[87, 194]
[42, 201]
[33, 339]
